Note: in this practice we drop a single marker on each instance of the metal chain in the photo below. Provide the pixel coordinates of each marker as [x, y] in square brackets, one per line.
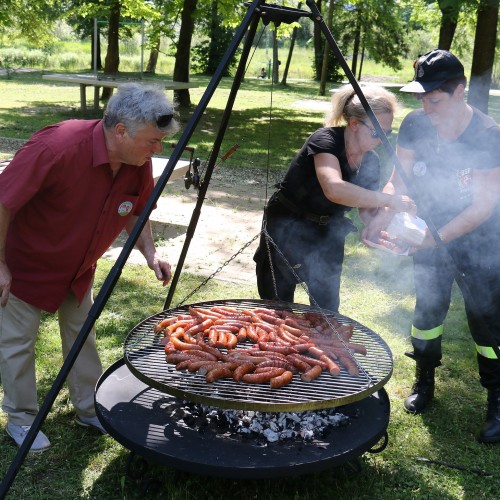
[269, 239]
[311, 298]
[218, 270]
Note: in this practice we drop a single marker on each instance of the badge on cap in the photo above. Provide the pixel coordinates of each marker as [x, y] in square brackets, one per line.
[419, 169]
[125, 208]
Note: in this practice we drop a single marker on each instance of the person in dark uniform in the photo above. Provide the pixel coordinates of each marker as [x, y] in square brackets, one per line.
[450, 153]
[335, 170]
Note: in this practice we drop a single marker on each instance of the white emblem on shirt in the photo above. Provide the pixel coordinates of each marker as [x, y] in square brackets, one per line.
[125, 208]
[419, 169]
[464, 181]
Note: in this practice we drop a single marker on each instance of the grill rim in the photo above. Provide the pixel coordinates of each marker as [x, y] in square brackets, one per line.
[371, 385]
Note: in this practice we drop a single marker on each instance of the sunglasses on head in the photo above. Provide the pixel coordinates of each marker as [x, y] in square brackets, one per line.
[163, 121]
[374, 133]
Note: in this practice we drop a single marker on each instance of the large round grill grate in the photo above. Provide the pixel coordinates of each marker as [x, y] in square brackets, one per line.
[145, 356]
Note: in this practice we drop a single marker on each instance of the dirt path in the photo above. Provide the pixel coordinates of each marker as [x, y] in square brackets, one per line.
[231, 217]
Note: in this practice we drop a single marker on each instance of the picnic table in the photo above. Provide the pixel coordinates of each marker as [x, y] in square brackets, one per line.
[99, 81]
[159, 164]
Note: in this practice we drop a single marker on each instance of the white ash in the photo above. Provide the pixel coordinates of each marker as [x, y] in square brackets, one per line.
[267, 427]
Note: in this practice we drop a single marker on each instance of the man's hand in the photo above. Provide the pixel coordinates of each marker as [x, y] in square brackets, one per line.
[5, 281]
[161, 269]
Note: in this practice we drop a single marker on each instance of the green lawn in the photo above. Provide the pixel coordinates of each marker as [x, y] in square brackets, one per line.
[376, 291]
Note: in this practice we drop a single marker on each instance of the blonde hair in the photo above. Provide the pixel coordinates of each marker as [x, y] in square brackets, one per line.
[346, 104]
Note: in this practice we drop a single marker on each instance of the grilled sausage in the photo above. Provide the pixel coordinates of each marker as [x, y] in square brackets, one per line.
[270, 346]
[218, 373]
[281, 380]
[312, 361]
[160, 326]
[184, 346]
[260, 378]
[333, 367]
[231, 340]
[252, 333]
[221, 339]
[212, 350]
[349, 364]
[242, 370]
[177, 357]
[242, 335]
[299, 363]
[199, 354]
[313, 373]
[277, 363]
[200, 327]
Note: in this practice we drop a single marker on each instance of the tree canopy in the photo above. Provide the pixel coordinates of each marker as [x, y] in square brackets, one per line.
[385, 31]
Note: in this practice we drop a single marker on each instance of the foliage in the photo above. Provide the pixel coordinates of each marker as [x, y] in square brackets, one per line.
[207, 54]
[382, 30]
[33, 20]
[342, 31]
[424, 20]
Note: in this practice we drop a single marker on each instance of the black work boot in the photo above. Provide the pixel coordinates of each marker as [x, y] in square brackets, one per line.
[490, 433]
[423, 388]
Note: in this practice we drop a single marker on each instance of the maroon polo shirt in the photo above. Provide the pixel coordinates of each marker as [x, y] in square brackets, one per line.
[66, 210]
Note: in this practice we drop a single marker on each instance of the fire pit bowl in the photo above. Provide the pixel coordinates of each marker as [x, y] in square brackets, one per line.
[144, 403]
[138, 417]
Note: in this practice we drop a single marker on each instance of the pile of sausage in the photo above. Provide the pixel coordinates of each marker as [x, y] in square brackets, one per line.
[280, 344]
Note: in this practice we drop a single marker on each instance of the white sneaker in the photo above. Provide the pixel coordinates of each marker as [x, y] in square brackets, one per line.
[90, 422]
[18, 433]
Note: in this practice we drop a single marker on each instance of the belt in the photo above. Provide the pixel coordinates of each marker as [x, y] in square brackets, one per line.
[322, 220]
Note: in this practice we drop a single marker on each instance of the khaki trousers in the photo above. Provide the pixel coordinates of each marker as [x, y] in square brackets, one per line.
[19, 324]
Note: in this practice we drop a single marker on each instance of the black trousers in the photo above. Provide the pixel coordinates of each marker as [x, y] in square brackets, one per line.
[474, 264]
[312, 254]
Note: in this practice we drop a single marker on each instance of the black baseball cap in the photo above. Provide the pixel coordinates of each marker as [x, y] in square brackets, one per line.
[433, 69]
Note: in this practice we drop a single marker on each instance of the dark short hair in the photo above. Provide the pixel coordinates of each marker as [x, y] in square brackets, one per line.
[449, 86]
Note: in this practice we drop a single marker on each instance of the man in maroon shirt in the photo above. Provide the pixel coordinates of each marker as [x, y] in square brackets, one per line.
[64, 198]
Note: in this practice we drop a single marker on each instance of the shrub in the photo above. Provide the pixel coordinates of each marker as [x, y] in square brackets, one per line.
[22, 58]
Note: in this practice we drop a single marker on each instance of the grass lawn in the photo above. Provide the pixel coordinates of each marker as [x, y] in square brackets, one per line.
[376, 291]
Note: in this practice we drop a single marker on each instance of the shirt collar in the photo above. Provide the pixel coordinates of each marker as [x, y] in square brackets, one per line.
[100, 154]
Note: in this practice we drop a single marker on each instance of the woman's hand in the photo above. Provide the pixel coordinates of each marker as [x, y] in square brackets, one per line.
[402, 203]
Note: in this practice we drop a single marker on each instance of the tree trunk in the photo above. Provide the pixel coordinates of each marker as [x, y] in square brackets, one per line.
[318, 46]
[112, 60]
[361, 62]
[182, 56]
[449, 20]
[290, 52]
[357, 43]
[153, 57]
[213, 61]
[326, 52]
[484, 54]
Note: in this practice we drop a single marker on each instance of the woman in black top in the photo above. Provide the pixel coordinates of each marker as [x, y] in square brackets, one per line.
[334, 171]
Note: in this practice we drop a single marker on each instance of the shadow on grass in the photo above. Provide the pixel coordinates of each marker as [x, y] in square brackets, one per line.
[361, 478]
